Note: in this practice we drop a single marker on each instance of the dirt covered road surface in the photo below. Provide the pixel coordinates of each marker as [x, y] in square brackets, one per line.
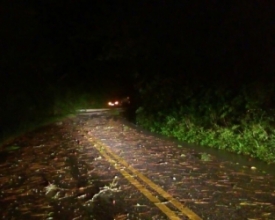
[98, 166]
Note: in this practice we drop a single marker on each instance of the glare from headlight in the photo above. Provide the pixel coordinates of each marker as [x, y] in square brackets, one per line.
[113, 103]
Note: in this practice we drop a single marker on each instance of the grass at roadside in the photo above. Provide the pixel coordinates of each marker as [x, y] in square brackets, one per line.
[240, 122]
[26, 111]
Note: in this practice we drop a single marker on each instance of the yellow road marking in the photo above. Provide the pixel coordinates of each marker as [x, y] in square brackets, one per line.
[184, 210]
[170, 214]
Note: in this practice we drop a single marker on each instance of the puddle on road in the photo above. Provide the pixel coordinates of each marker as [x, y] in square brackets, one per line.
[235, 161]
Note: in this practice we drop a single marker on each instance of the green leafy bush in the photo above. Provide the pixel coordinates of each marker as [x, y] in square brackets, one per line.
[238, 120]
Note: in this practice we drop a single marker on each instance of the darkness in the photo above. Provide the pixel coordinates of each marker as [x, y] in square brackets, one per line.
[191, 38]
[122, 46]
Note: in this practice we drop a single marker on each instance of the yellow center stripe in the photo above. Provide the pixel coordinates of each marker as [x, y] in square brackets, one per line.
[101, 147]
[172, 215]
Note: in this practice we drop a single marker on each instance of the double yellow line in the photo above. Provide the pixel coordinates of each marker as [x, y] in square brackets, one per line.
[122, 166]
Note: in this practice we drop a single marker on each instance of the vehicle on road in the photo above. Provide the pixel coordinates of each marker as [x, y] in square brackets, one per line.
[120, 102]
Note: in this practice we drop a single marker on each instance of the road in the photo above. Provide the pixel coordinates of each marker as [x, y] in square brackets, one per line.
[96, 165]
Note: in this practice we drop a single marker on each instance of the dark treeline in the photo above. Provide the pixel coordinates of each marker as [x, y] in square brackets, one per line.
[57, 52]
[51, 42]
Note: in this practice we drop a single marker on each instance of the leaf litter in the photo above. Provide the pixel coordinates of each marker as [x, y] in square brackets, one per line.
[46, 179]
[54, 175]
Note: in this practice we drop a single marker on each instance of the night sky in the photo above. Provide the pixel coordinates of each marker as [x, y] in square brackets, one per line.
[129, 42]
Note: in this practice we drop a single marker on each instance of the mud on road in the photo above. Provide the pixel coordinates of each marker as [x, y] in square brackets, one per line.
[56, 172]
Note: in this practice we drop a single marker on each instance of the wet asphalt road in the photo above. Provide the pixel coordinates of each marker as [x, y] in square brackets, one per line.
[69, 155]
[214, 189]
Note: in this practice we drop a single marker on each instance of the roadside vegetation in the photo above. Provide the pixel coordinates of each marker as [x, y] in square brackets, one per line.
[25, 108]
[175, 71]
[238, 118]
